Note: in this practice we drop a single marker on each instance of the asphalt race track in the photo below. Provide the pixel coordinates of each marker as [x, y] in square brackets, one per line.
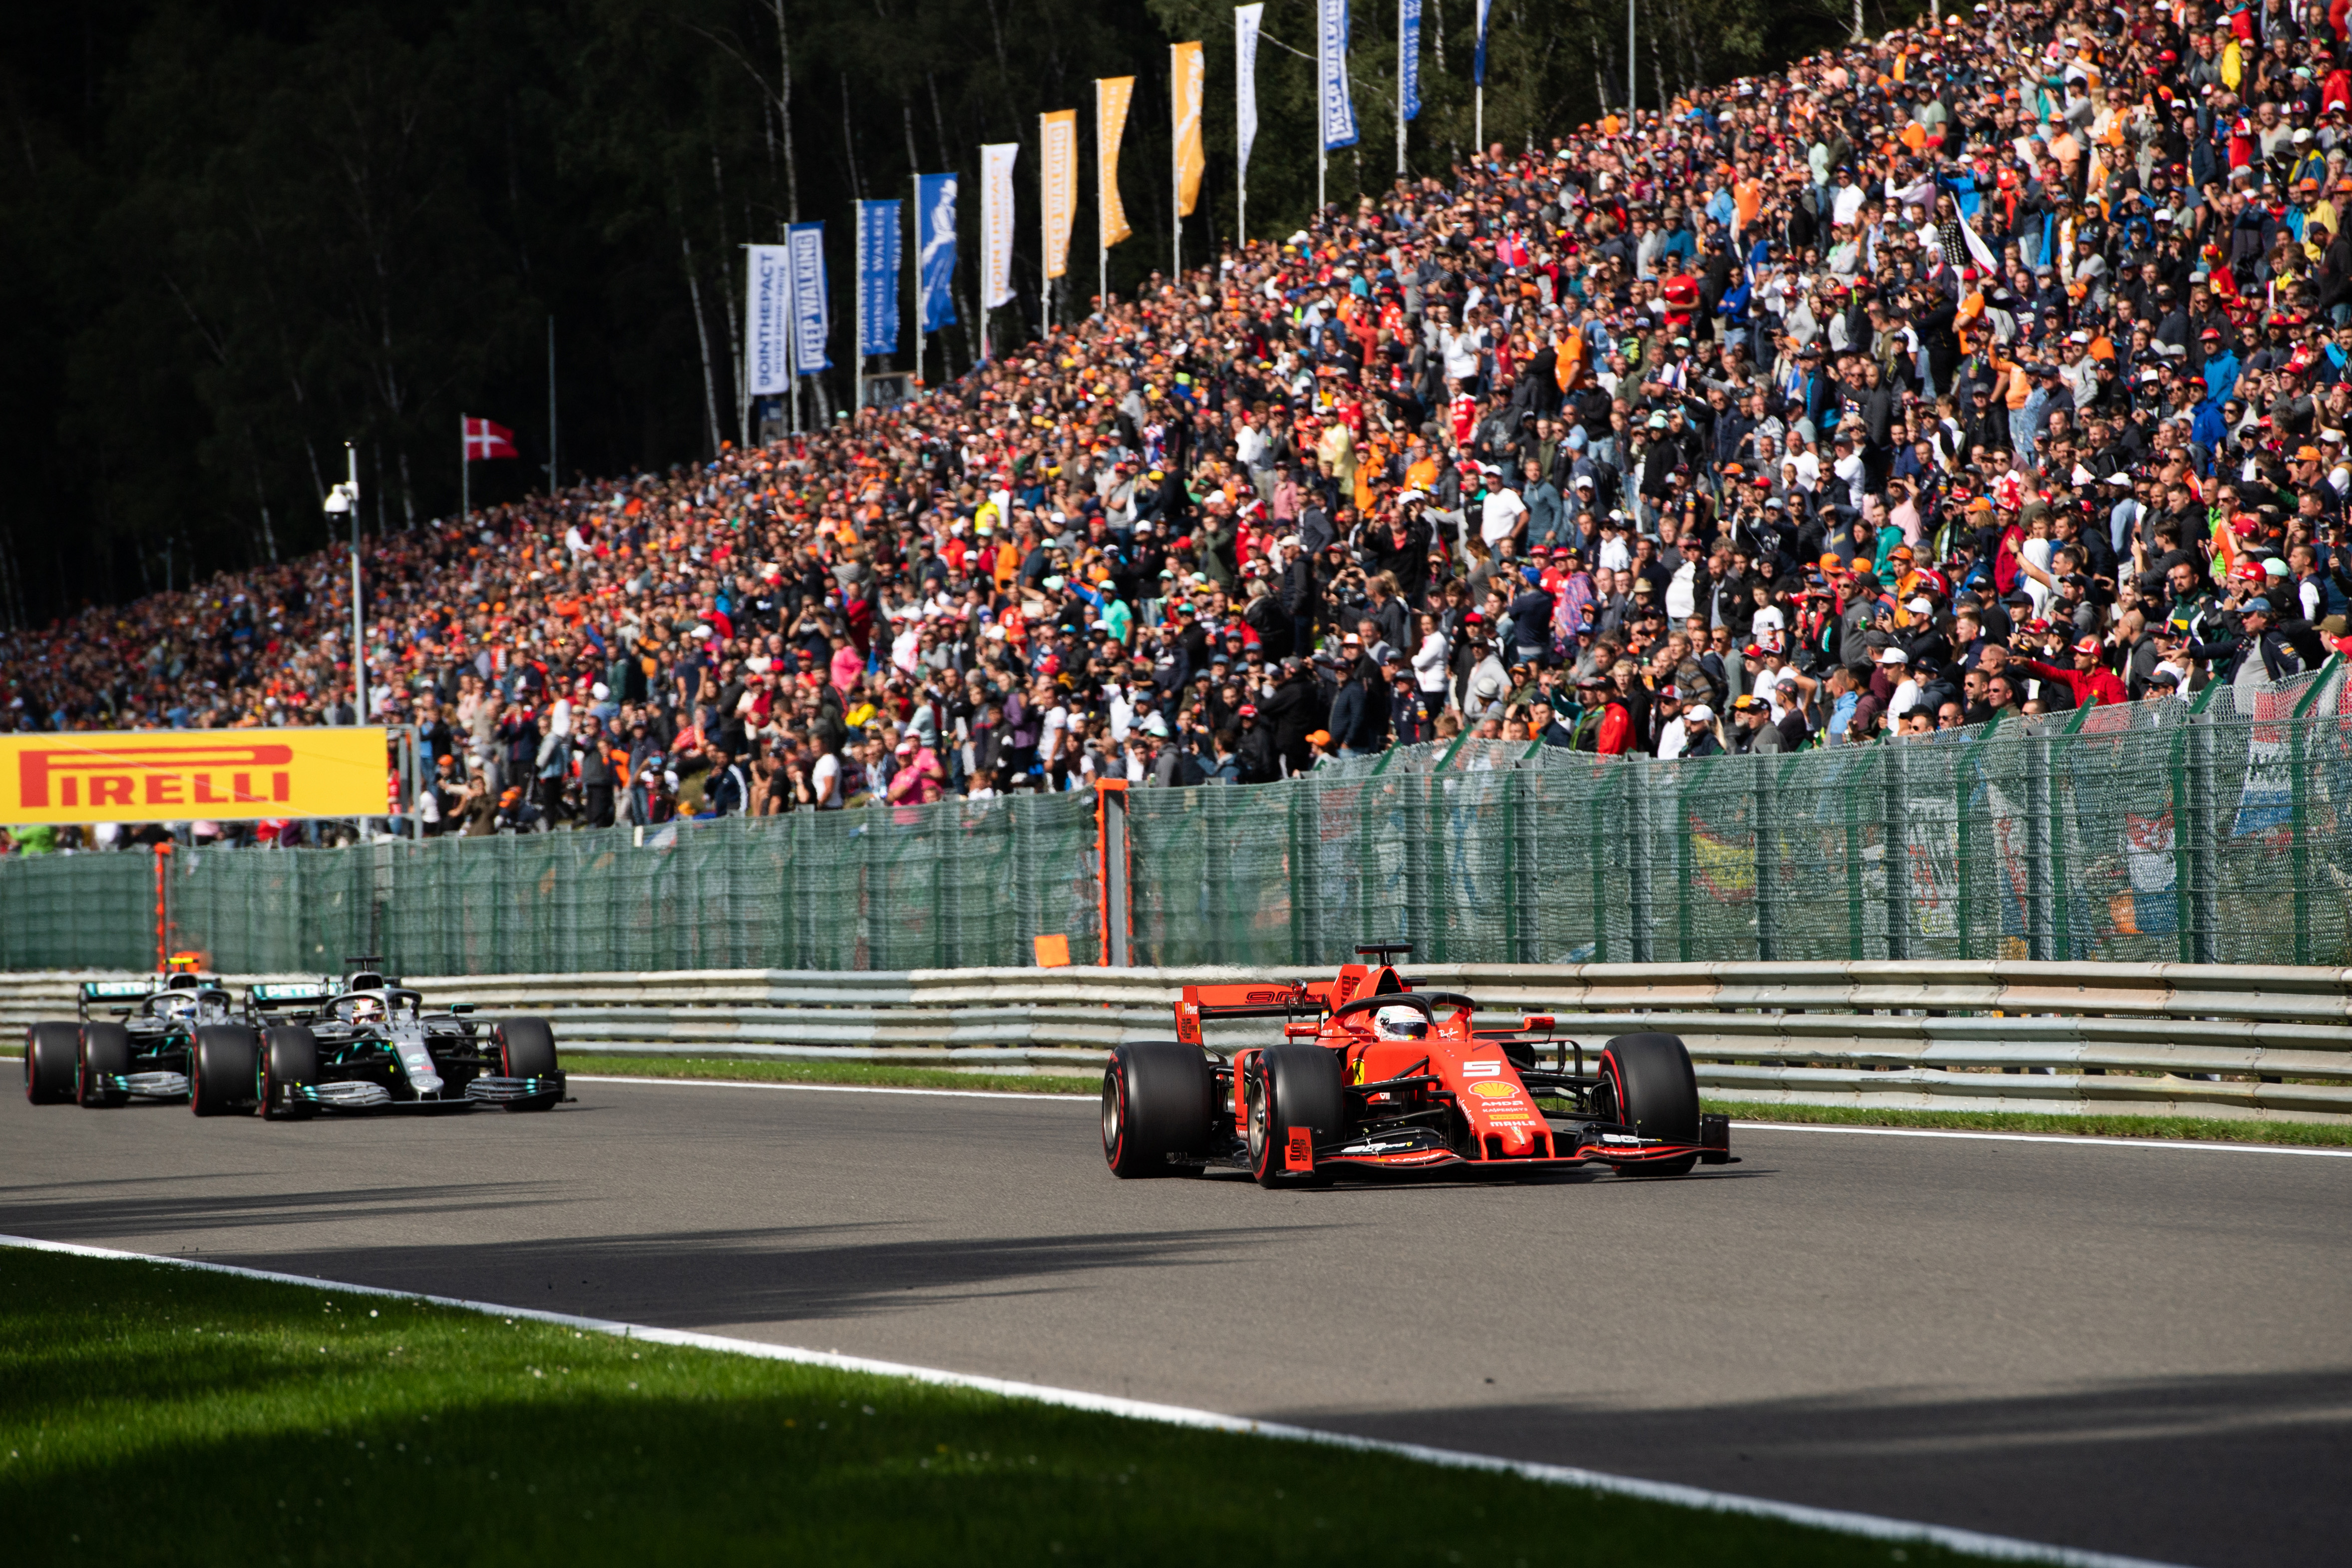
[2140, 1351]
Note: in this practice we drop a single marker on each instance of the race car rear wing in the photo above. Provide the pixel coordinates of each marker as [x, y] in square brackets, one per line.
[1202, 1004]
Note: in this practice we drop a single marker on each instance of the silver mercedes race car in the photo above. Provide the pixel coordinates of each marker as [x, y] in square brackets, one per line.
[136, 1049]
[366, 1042]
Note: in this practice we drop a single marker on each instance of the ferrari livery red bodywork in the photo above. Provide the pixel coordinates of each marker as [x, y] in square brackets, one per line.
[1431, 1091]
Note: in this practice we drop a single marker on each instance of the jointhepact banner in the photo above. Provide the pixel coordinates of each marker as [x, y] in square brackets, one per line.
[174, 775]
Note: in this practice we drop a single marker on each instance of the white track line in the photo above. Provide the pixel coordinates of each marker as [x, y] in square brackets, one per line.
[2116, 1142]
[1872, 1526]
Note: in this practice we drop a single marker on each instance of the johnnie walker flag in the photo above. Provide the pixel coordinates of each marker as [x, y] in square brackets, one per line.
[1188, 75]
[878, 248]
[1057, 178]
[485, 440]
[811, 316]
[1409, 58]
[1246, 19]
[1111, 94]
[935, 250]
[1478, 54]
[1338, 113]
[996, 223]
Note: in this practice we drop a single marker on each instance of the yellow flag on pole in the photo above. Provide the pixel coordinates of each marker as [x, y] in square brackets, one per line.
[1188, 76]
[1111, 94]
[1058, 139]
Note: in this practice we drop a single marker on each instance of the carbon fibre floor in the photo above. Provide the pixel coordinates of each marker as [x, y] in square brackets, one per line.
[2142, 1351]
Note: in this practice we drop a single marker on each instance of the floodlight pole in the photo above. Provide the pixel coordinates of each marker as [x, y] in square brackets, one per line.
[359, 627]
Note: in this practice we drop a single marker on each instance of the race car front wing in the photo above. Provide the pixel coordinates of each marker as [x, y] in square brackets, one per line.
[147, 1085]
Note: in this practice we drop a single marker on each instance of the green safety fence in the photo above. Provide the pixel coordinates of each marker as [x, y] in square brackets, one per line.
[2147, 832]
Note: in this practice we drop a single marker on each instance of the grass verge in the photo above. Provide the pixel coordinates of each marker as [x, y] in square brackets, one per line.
[785, 1069]
[2202, 1128]
[158, 1414]
[2196, 1128]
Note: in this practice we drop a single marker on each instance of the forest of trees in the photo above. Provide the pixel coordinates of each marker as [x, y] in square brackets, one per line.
[234, 236]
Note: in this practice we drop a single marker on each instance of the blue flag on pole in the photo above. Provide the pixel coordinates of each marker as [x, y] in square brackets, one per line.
[1478, 55]
[812, 320]
[935, 250]
[1409, 56]
[1331, 61]
[878, 249]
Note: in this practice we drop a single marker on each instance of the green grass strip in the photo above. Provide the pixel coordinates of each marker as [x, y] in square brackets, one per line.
[786, 1069]
[165, 1416]
[2187, 1128]
[2204, 1129]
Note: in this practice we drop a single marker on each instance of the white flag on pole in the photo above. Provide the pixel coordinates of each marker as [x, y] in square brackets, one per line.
[996, 223]
[1246, 19]
[767, 356]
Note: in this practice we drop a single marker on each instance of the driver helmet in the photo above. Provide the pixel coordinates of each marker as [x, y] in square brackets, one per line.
[365, 1007]
[1396, 1022]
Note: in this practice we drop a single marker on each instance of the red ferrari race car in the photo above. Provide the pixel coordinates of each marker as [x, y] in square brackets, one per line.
[1371, 1075]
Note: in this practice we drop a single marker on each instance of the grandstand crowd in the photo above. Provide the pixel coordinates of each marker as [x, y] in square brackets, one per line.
[2002, 364]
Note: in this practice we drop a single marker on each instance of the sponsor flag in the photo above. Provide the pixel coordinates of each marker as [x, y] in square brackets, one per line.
[767, 312]
[1111, 94]
[878, 247]
[1188, 75]
[1409, 58]
[1246, 20]
[996, 223]
[485, 440]
[1478, 51]
[1337, 114]
[812, 315]
[935, 250]
[1057, 177]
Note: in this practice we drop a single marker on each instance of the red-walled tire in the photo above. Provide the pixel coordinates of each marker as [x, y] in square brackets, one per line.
[51, 1051]
[1292, 1085]
[105, 1053]
[526, 1049]
[221, 1069]
[1159, 1099]
[1649, 1079]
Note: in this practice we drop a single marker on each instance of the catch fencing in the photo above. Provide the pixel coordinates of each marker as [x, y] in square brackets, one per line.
[2227, 1041]
[2153, 832]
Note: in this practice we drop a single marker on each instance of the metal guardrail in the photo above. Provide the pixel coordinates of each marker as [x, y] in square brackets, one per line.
[2216, 1040]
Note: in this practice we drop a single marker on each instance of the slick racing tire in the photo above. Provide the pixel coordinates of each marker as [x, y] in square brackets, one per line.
[105, 1052]
[526, 1049]
[50, 1053]
[1292, 1085]
[289, 1059]
[221, 1065]
[1159, 1104]
[1648, 1078]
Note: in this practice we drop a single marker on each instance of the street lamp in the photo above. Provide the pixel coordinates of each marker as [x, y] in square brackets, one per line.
[345, 498]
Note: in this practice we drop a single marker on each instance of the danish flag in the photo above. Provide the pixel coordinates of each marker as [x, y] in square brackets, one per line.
[485, 440]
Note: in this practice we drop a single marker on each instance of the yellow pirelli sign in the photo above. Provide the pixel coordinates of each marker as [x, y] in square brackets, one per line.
[176, 775]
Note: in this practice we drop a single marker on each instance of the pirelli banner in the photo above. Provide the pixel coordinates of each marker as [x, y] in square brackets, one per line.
[176, 775]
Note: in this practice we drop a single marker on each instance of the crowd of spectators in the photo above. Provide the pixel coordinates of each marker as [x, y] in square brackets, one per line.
[2000, 365]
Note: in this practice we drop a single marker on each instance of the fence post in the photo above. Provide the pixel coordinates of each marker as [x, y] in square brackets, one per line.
[1114, 905]
[1511, 878]
[1759, 812]
[1850, 789]
[1640, 895]
[2204, 853]
[1684, 830]
[163, 905]
[2298, 816]
[1894, 853]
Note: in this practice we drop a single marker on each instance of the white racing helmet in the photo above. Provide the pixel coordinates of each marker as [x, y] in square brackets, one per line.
[1400, 1023]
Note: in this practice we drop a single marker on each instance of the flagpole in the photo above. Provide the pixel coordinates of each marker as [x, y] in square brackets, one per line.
[1632, 68]
[1401, 70]
[1479, 96]
[553, 483]
[465, 475]
[915, 278]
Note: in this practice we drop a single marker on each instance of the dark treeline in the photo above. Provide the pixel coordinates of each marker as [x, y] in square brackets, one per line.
[234, 236]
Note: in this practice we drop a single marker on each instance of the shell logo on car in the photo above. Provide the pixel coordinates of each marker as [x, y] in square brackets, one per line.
[1492, 1090]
